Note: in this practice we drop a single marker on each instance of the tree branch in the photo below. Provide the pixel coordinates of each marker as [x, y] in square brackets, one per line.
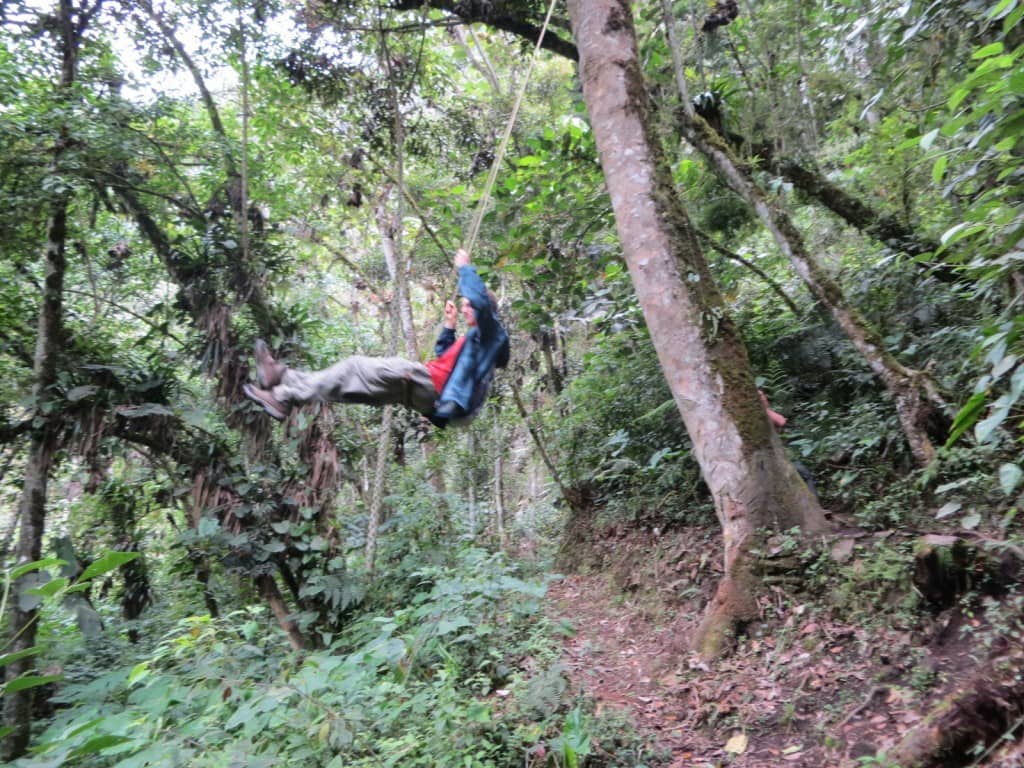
[485, 13]
[710, 241]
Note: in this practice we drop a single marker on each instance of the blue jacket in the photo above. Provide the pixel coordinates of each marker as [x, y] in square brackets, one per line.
[485, 348]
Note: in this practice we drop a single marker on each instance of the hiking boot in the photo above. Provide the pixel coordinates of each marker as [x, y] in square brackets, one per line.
[268, 370]
[266, 399]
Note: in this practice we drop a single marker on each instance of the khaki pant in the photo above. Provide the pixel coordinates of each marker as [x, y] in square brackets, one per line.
[359, 379]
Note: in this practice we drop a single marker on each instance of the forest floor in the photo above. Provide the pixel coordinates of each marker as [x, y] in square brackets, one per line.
[803, 689]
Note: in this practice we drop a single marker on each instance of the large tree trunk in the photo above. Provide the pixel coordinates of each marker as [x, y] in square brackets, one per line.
[754, 485]
[22, 623]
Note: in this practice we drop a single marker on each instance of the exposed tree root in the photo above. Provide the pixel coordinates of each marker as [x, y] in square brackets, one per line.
[980, 712]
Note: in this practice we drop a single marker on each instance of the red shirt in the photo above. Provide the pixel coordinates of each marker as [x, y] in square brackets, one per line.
[441, 367]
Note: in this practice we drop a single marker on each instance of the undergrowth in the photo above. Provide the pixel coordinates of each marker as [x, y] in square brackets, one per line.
[466, 674]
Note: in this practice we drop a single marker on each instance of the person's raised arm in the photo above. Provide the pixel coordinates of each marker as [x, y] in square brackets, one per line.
[473, 289]
[447, 335]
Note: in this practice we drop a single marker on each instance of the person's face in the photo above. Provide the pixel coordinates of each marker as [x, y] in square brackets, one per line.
[468, 313]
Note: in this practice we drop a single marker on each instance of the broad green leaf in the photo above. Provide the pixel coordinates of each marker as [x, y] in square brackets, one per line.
[967, 416]
[80, 393]
[1009, 477]
[957, 98]
[50, 588]
[1017, 383]
[530, 161]
[28, 598]
[139, 671]
[1000, 8]
[939, 169]
[447, 626]
[971, 521]
[1013, 19]
[109, 562]
[10, 658]
[97, 744]
[49, 562]
[1003, 366]
[989, 50]
[947, 509]
[984, 429]
[241, 715]
[959, 232]
[29, 681]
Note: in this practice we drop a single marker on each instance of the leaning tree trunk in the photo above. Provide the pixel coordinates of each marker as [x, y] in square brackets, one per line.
[22, 622]
[754, 485]
[916, 399]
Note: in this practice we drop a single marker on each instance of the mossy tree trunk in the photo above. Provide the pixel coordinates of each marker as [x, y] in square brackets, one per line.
[70, 24]
[754, 485]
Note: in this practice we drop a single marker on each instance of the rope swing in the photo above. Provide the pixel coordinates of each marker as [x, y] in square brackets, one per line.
[478, 217]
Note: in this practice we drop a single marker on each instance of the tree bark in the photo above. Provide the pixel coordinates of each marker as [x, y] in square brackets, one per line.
[373, 519]
[500, 16]
[754, 485]
[499, 485]
[269, 591]
[43, 444]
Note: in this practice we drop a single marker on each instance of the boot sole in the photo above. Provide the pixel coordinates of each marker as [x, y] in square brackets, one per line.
[252, 394]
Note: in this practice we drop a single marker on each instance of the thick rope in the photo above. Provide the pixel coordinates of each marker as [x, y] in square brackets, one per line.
[478, 217]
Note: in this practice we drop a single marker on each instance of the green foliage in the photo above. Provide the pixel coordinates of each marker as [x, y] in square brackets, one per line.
[873, 586]
[621, 435]
[438, 682]
[975, 149]
[34, 588]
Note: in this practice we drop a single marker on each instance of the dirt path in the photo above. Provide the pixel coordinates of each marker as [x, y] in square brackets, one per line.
[810, 692]
[622, 660]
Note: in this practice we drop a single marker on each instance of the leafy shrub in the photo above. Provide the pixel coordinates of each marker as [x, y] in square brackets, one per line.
[444, 680]
[621, 433]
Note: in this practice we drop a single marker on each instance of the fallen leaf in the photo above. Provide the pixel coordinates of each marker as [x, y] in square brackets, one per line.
[737, 745]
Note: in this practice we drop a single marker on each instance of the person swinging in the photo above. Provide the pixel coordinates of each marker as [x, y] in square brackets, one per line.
[447, 390]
